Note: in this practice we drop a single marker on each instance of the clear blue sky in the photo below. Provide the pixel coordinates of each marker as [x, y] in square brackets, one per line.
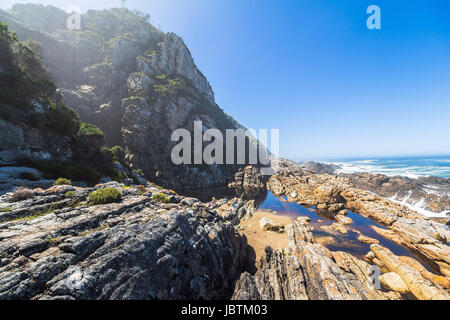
[312, 69]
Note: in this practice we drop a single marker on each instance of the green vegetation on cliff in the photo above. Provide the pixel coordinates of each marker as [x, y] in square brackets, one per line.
[46, 18]
[22, 75]
[87, 130]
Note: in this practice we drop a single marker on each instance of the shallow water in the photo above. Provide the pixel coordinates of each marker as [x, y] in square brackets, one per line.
[339, 242]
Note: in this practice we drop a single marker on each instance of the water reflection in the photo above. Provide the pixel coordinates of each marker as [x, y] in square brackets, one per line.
[334, 241]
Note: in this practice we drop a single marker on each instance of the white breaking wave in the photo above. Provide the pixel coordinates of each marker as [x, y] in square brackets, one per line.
[406, 168]
[419, 207]
[370, 166]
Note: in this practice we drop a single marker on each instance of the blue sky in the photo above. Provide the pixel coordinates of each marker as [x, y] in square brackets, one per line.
[313, 70]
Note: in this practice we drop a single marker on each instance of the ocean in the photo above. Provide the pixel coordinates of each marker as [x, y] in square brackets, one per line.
[412, 167]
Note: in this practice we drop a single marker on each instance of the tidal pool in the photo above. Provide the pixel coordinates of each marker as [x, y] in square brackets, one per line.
[335, 241]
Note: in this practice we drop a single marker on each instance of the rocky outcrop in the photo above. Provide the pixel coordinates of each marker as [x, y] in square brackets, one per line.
[250, 183]
[174, 58]
[317, 167]
[418, 285]
[56, 246]
[20, 141]
[267, 224]
[306, 270]
[394, 282]
[430, 193]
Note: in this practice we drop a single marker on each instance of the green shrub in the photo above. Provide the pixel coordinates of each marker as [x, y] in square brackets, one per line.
[169, 86]
[119, 153]
[62, 119]
[160, 197]
[62, 181]
[107, 154]
[80, 172]
[70, 194]
[7, 209]
[88, 130]
[28, 176]
[23, 75]
[104, 196]
[114, 174]
[39, 16]
[75, 171]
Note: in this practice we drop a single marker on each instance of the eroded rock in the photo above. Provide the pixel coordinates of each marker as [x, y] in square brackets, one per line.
[136, 249]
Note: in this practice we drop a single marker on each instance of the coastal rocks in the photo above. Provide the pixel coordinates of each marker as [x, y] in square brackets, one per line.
[424, 236]
[335, 227]
[53, 247]
[236, 210]
[343, 219]
[317, 167]
[394, 282]
[307, 270]
[328, 194]
[403, 226]
[287, 168]
[431, 193]
[421, 287]
[367, 240]
[267, 224]
[249, 182]
[438, 280]
[279, 277]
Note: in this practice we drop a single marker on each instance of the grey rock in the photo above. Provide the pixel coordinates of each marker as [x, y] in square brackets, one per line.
[136, 249]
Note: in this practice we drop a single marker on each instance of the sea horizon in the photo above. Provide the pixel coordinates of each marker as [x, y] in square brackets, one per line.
[408, 166]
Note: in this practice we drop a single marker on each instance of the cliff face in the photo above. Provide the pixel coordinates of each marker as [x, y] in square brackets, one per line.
[33, 122]
[134, 82]
[37, 129]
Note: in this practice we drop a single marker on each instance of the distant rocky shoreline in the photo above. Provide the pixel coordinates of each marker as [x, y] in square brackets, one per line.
[428, 193]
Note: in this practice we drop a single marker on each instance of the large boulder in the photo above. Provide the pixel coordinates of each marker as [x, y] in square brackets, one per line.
[393, 281]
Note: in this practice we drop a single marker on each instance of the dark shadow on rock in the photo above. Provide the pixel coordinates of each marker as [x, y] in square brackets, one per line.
[250, 265]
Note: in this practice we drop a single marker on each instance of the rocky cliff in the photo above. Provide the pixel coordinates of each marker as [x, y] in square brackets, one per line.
[134, 82]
